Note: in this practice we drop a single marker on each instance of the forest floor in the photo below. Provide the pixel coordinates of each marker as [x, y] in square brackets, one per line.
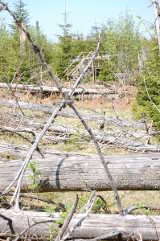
[122, 108]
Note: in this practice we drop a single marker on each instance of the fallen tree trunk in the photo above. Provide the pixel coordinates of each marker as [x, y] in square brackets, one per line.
[93, 226]
[21, 221]
[70, 114]
[96, 225]
[53, 90]
[74, 172]
[129, 140]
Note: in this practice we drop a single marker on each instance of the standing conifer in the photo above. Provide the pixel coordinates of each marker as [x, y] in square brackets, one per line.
[23, 17]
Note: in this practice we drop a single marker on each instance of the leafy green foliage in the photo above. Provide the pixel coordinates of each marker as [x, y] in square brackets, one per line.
[122, 42]
[34, 176]
[98, 205]
[107, 71]
[149, 81]
[64, 57]
[21, 14]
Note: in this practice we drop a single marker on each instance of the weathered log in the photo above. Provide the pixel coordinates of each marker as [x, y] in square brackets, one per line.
[70, 114]
[119, 139]
[95, 225]
[73, 172]
[21, 220]
[53, 90]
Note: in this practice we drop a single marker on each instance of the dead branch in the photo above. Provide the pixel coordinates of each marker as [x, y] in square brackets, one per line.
[9, 223]
[67, 101]
[88, 209]
[18, 132]
[35, 48]
[67, 221]
[21, 172]
[131, 209]
[105, 165]
[70, 114]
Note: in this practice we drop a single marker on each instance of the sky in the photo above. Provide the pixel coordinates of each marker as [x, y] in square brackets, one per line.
[82, 14]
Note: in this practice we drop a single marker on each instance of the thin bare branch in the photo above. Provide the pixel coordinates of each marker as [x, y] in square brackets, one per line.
[116, 195]
[68, 220]
[36, 49]
[9, 223]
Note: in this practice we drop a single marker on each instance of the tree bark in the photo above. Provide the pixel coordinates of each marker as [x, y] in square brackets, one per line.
[74, 172]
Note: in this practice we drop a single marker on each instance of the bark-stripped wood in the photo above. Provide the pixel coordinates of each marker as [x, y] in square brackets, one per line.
[70, 114]
[157, 15]
[100, 224]
[93, 226]
[132, 140]
[21, 220]
[22, 38]
[54, 90]
[73, 172]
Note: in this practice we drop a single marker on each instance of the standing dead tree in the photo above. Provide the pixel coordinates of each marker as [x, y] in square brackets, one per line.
[157, 14]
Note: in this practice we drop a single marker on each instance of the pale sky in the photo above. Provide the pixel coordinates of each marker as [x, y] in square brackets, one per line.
[82, 14]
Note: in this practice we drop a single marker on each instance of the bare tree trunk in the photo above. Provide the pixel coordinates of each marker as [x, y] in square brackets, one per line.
[22, 39]
[38, 226]
[71, 172]
[157, 14]
[70, 114]
[94, 226]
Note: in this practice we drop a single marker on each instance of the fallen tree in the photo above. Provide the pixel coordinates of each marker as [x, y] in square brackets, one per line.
[128, 136]
[37, 225]
[70, 114]
[134, 140]
[40, 225]
[54, 90]
[107, 227]
[75, 172]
